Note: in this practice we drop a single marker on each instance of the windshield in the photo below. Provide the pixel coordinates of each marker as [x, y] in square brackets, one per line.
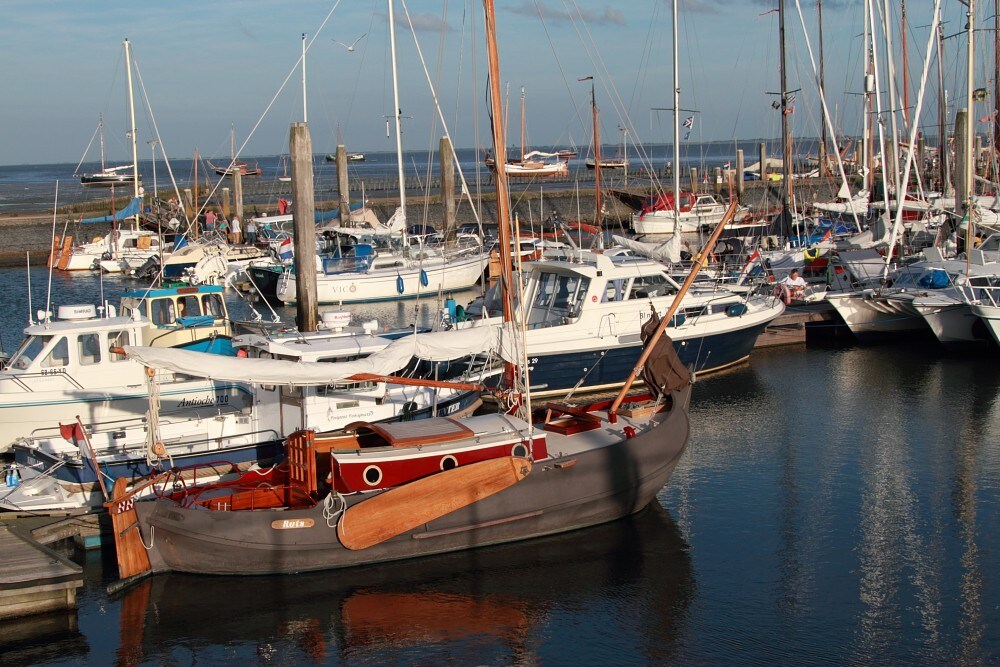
[28, 351]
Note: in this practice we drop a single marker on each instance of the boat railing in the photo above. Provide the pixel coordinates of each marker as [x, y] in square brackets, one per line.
[984, 295]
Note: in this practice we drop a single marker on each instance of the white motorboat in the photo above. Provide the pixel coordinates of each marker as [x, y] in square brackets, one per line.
[585, 313]
[697, 212]
[320, 385]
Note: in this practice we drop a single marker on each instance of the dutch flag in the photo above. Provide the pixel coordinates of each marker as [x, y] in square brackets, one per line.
[286, 250]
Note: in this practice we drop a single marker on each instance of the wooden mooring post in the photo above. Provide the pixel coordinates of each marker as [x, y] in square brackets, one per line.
[300, 150]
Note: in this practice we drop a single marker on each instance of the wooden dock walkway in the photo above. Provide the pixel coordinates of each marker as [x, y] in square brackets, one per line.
[33, 578]
[790, 328]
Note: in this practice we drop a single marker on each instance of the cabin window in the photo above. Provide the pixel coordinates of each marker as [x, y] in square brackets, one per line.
[644, 287]
[117, 340]
[162, 311]
[29, 351]
[212, 305]
[88, 349]
[556, 297]
[345, 388]
[58, 356]
[614, 290]
[188, 306]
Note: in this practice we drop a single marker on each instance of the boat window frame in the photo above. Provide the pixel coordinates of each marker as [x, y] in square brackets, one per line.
[50, 350]
[17, 360]
[89, 349]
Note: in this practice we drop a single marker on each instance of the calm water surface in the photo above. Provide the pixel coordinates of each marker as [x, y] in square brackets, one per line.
[835, 505]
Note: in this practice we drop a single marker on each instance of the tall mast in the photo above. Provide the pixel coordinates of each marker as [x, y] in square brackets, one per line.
[522, 123]
[396, 114]
[970, 159]
[866, 142]
[132, 129]
[502, 192]
[906, 68]
[786, 142]
[677, 132]
[305, 106]
[996, 79]
[893, 101]
[944, 169]
[597, 156]
[822, 87]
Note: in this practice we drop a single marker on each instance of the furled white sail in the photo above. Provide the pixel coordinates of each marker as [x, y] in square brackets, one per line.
[436, 346]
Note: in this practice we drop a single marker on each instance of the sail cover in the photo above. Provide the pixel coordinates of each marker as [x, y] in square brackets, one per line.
[668, 251]
[436, 346]
[127, 212]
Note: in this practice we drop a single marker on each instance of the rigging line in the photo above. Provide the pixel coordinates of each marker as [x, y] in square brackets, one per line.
[610, 88]
[294, 70]
[437, 107]
[156, 132]
[357, 78]
[562, 72]
[87, 149]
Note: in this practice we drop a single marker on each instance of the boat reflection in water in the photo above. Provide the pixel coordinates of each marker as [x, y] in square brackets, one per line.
[591, 589]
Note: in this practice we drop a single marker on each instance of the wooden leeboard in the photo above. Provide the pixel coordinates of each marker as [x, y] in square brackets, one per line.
[401, 509]
[132, 556]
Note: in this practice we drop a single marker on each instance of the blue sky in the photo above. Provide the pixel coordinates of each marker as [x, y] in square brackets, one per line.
[209, 65]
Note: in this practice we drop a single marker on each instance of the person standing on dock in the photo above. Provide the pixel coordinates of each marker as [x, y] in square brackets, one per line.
[250, 232]
[235, 229]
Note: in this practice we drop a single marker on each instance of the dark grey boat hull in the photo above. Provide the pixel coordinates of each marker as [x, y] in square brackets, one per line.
[562, 493]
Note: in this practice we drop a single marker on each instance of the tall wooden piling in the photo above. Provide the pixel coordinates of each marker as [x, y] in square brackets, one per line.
[718, 180]
[227, 202]
[238, 193]
[694, 179]
[446, 155]
[303, 212]
[763, 162]
[343, 189]
[739, 175]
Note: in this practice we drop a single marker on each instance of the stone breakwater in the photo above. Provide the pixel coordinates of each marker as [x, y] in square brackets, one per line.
[31, 234]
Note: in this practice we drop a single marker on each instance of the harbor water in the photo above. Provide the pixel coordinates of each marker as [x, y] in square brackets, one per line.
[836, 505]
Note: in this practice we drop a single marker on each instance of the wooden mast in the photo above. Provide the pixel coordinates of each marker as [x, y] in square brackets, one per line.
[500, 153]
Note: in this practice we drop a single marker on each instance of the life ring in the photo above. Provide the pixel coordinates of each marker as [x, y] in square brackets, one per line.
[811, 254]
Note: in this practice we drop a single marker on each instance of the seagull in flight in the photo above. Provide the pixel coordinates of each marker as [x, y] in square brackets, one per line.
[350, 47]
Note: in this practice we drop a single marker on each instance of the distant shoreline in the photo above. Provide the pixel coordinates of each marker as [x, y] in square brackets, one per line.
[31, 233]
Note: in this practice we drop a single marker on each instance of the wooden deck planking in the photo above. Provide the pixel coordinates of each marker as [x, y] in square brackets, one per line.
[33, 578]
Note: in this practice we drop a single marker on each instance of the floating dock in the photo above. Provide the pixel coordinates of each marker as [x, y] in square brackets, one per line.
[33, 578]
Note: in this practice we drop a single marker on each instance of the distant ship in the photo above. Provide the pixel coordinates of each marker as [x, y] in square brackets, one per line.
[351, 157]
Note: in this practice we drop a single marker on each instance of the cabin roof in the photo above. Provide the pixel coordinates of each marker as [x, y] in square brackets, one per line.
[85, 325]
[173, 291]
[408, 434]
